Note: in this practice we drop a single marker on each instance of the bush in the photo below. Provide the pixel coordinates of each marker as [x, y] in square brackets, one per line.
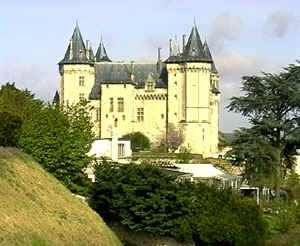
[138, 141]
[184, 155]
[10, 126]
[144, 198]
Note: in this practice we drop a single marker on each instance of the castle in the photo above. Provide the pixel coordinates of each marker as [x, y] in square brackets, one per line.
[182, 91]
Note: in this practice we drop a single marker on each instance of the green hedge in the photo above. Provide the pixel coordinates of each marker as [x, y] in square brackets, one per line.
[146, 199]
[138, 141]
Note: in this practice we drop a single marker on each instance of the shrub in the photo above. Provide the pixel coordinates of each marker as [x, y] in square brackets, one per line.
[10, 126]
[184, 155]
[144, 198]
[138, 141]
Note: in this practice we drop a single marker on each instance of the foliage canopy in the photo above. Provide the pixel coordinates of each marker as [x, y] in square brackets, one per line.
[58, 138]
[138, 141]
[145, 198]
[271, 103]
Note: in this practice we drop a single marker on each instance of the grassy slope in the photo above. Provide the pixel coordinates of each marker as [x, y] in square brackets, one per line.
[35, 209]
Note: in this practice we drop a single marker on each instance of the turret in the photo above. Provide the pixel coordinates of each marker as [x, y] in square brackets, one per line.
[190, 77]
[101, 55]
[76, 52]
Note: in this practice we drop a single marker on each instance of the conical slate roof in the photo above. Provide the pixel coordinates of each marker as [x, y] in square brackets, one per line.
[193, 50]
[101, 55]
[56, 97]
[194, 47]
[209, 57]
[76, 51]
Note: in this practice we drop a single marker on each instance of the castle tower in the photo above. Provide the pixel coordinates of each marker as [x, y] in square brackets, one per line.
[192, 104]
[76, 70]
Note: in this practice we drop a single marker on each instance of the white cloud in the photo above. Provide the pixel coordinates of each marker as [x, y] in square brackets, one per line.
[225, 27]
[279, 23]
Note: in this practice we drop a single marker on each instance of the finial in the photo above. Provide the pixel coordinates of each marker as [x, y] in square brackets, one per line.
[101, 39]
[194, 21]
[77, 23]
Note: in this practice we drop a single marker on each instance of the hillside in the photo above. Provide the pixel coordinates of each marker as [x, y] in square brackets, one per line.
[35, 209]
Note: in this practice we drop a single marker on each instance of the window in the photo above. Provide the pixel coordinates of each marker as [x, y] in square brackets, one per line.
[107, 86]
[81, 96]
[111, 104]
[81, 80]
[121, 150]
[140, 114]
[150, 86]
[162, 116]
[97, 114]
[120, 104]
[123, 117]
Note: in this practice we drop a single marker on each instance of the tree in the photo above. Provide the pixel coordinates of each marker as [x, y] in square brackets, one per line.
[138, 141]
[10, 126]
[174, 139]
[251, 151]
[59, 140]
[145, 198]
[271, 103]
[16, 106]
[223, 142]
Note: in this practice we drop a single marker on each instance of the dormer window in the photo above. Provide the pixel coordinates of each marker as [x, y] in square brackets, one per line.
[150, 86]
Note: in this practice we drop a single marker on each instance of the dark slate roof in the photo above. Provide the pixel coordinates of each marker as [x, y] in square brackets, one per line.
[56, 97]
[208, 55]
[76, 51]
[193, 50]
[124, 73]
[101, 55]
[95, 92]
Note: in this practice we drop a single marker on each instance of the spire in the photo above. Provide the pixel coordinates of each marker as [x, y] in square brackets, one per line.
[101, 55]
[56, 98]
[209, 57]
[193, 50]
[194, 47]
[76, 51]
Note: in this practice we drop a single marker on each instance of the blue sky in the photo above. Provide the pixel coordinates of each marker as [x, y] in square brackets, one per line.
[246, 37]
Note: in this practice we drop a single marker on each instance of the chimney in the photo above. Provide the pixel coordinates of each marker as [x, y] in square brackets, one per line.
[87, 49]
[183, 42]
[158, 53]
[158, 60]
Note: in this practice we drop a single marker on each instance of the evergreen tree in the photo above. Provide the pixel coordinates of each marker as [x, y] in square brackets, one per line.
[271, 103]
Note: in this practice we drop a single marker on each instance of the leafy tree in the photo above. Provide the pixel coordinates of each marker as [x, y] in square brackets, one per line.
[10, 126]
[16, 106]
[223, 142]
[256, 155]
[59, 140]
[18, 102]
[271, 103]
[138, 141]
[145, 198]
